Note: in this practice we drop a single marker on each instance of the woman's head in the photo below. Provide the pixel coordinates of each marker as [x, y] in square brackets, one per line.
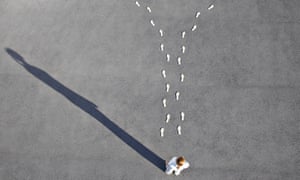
[180, 161]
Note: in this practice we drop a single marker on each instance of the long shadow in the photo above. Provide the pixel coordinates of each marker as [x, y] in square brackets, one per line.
[89, 108]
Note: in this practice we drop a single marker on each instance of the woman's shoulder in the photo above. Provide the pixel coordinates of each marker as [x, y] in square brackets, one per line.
[173, 160]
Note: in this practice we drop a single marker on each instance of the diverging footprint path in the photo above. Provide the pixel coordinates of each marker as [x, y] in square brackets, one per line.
[173, 90]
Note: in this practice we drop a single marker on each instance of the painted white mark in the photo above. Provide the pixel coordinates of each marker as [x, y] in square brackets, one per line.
[179, 130]
[168, 117]
[164, 101]
[182, 115]
[211, 7]
[137, 3]
[181, 77]
[152, 22]
[167, 87]
[161, 32]
[149, 9]
[183, 35]
[168, 57]
[194, 27]
[164, 74]
[162, 132]
[183, 49]
[197, 14]
[177, 94]
[179, 60]
[162, 47]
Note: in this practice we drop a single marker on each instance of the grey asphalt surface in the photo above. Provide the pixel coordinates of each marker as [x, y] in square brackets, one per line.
[87, 103]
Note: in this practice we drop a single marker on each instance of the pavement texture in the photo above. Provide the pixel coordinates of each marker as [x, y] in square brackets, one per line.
[81, 89]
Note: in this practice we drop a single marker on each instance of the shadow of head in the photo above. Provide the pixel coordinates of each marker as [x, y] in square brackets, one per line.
[17, 57]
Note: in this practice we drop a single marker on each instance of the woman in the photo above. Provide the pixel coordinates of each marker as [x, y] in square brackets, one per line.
[176, 165]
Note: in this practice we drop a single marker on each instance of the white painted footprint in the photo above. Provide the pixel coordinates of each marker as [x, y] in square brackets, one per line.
[152, 22]
[183, 48]
[183, 34]
[179, 60]
[168, 117]
[167, 87]
[161, 32]
[164, 102]
[181, 77]
[211, 7]
[148, 9]
[197, 14]
[162, 47]
[182, 116]
[194, 27]
[163, 73]
[179, 130]
[168, 57]
[177, 94]
[137, 3]
[162, 132]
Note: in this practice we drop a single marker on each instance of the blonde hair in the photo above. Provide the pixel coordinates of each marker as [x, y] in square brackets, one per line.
[180, 161]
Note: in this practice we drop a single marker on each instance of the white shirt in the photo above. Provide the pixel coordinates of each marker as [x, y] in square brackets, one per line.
[172, 167]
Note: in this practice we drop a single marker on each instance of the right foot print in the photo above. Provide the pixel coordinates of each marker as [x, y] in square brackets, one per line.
[177, 94]
[137, 3]
[162, 131]
[179, 60]
[152, 22]
[149, 9]
[163, 73]
[168, 117]
[198, 14]
[181, 77]
[179, 130]
[182, 116]
[164, 102]
[161, 32]
[194, 27]
[162, 47]
[168, 57]
[167, 87]
[183, 49]
[183, 35]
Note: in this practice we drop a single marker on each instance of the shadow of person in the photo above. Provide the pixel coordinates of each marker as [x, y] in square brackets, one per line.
[89, 108]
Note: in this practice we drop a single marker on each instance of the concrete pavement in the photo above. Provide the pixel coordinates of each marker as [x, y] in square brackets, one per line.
[88, 104]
